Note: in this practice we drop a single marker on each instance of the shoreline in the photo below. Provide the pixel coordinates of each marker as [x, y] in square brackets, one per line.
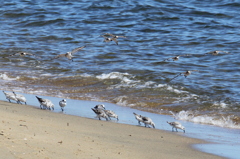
[29, 132]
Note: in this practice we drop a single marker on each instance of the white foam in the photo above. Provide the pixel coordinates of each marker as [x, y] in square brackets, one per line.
[221, 121]
[220, 104]
[112, 75]
[4, 76]
[121, 100]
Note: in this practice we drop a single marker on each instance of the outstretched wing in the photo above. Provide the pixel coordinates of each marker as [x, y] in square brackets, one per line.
[77, 49]
[185, 55]
[121, 36]
[11, 55]
[225, 52]
[115, 36]
[20, 54]
[58, 56]
[194, 70]
[211, 52]
[115, 39]
[168, 59]
[216, 52]
[110, 34]
[175, 76]
[26, 53]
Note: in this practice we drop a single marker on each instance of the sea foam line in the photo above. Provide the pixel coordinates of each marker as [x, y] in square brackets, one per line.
[206, 119]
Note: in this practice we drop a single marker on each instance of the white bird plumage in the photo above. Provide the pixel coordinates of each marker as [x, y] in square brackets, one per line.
[10, 96]
[20, 98]
[176, 125]
[69, 55]
[139, 118]
[100, 113]
[62, 104]
[146, 120]
[45, 103]
[111, 114]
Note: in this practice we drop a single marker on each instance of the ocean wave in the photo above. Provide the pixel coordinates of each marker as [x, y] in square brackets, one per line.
[5, 77]
[216, 120]
[112, 75]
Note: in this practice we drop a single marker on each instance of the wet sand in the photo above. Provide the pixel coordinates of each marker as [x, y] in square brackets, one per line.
[29, 132]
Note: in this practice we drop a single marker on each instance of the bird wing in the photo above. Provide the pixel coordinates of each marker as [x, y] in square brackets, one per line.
[115, 39]
[211, 52]
[175, 76]
[77, 49]
[109, 112]
[224, 52]
[29, 54]
[61, 55]
[122, 37]
[145, 118]
[13, 54]
[115, 36]
[185, 55]
[168, 59]
[104, 36]
[110, 34]
[194, 70]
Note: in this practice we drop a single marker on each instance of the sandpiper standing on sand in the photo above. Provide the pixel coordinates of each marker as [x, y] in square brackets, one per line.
[63, 103]
[10, 96]
[139, 118]
[146, 120]
[99, 111]
[45, 103]
[20, 98]
[176, 125]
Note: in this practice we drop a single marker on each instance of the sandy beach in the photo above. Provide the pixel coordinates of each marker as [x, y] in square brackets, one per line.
[28, 132]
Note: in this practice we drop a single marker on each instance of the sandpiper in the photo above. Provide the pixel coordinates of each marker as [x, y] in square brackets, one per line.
[10, 96]
[100, 113]
[20, 54]
[69, 55]
[20, 98]
[111, 114]
[175, 58]
[147, 121]
[112, 38]
[216, 52]
[100, 106]
[185, 74]
[176, 125]
[139, 118]
[63, 103]
[45, 103]
[108, 39]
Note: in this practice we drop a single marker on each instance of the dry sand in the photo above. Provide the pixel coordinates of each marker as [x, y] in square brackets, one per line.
[28, 132]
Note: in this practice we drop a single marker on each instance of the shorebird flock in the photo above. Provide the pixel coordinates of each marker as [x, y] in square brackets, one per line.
[100, 109]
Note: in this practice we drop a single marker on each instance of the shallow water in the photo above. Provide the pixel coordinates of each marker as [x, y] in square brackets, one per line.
[224, 141]
[133, 73]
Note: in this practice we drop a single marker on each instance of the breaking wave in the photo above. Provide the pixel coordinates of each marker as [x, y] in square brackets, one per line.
[216, 120]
